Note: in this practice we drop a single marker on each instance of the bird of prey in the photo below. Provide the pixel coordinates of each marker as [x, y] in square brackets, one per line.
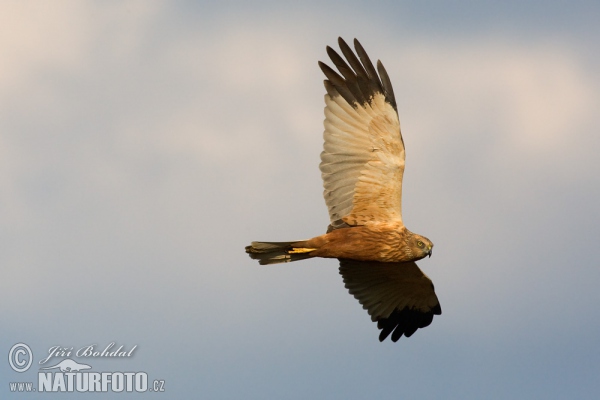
[362, 166]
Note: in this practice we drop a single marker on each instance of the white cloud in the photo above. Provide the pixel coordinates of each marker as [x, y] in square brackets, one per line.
[166, 142]
[532, 100]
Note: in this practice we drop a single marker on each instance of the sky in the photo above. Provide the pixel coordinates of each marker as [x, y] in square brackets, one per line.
[143, 144]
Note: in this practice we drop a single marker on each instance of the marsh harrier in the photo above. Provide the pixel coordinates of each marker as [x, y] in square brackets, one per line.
[362, 165]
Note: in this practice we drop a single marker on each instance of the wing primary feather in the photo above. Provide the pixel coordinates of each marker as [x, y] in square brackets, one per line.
[341, 64]
[351, 80]
[339, 83]
[331, 91]
[367, 86]
[388, 90]
[366, 61]
[354, 63]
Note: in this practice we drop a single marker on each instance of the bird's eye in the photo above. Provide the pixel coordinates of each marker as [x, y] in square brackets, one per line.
[419, 243]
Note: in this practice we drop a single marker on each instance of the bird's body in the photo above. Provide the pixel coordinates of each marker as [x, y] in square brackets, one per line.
[362, 166]
[375, 241]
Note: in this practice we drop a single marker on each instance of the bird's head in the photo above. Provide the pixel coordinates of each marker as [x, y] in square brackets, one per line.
[420, 246]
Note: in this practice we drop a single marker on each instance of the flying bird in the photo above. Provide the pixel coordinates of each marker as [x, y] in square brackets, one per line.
[362, 165]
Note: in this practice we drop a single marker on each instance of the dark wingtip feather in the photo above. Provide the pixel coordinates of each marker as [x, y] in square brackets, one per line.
[366, 61]
[359, 80]
[404, 323]
[338, 83]
[388, 90]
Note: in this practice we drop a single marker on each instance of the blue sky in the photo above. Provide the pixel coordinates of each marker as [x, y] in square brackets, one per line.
[144, 144]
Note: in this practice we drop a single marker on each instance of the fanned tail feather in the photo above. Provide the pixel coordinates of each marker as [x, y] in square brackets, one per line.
[277, 252]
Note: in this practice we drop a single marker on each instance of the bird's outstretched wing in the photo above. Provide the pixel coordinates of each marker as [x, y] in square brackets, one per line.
[398, 296]
[363, 159]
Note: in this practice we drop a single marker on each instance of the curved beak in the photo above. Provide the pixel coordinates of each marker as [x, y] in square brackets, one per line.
[430, 251]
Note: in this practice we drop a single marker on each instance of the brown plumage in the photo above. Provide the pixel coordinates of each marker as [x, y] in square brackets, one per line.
[362, 166]
[398, 296]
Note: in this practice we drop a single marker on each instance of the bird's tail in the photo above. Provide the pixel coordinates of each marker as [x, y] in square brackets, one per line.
[278, 252]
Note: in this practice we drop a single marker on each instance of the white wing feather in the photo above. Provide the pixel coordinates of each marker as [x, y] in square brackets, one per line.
[363, 161]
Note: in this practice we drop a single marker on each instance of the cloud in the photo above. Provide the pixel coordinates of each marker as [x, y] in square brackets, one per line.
[530, 100]
[139, 148]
